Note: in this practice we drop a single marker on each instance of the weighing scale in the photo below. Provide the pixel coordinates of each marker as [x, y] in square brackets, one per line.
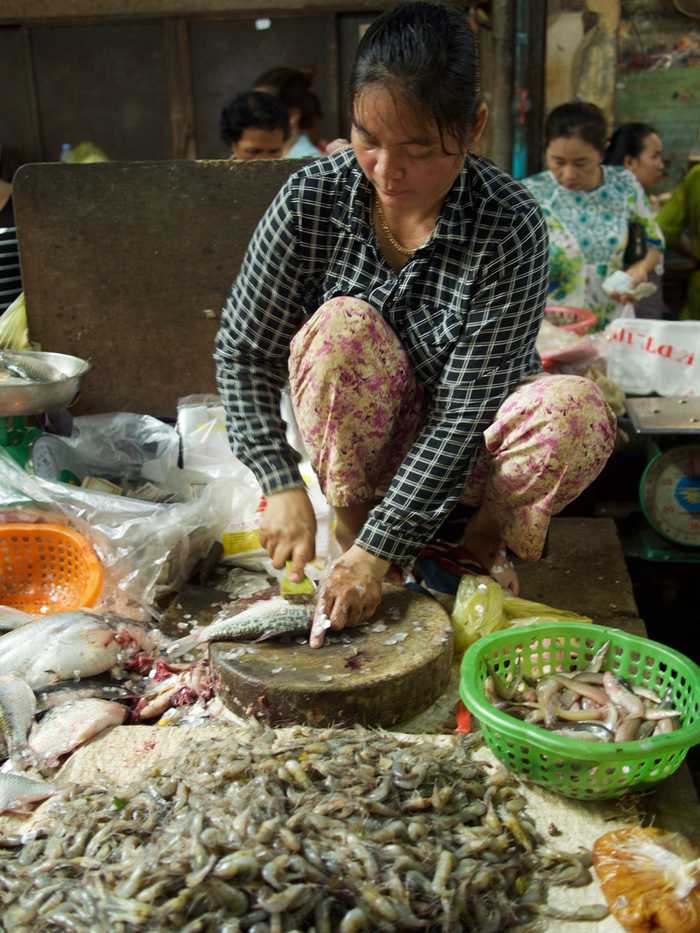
[19, 401]
[669, 489]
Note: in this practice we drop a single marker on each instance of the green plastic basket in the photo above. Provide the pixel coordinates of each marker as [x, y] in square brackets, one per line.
[573, 767]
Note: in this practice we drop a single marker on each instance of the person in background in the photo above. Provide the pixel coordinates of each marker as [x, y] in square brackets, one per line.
[638, 148]
[255, 126]
[293, 87]
[679, 219]
[399, 285]
[588, 207]
[10, 274]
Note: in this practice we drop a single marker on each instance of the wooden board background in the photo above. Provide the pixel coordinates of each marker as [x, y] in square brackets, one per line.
[121, 260]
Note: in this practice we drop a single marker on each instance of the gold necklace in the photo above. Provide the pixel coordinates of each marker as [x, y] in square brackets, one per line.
[390, 236]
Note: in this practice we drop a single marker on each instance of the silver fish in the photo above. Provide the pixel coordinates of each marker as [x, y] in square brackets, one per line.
[11, 618]
[16, 791]
[622, 697]
[589, 731]
[17, 708]
[66, 727]
[69, 645]
[87, 689]
[26, 368]
[265, 619]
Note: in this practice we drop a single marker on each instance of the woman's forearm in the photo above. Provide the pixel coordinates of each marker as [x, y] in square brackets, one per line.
[652, 260]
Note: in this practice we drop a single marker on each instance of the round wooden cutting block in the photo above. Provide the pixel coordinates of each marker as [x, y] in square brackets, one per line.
[377, 674]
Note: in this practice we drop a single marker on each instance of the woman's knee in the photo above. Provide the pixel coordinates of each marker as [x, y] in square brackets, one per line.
[564, 419]
[345, 332]
[579, 397]
[344, 316]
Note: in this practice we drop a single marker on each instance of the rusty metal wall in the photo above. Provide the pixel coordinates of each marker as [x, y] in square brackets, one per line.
[107, 84]
[19, 134]
[228, 55]
[150, 89]
[120, 261]
[31, 10]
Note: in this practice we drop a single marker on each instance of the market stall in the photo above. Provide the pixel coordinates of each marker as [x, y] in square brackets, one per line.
[195, 777]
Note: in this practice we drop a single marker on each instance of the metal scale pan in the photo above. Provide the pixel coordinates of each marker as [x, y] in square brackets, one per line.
[32, 398]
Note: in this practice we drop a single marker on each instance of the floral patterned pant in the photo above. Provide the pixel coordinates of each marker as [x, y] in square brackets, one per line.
[359, 409]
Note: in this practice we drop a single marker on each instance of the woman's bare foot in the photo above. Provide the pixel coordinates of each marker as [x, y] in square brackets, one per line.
[482, 538]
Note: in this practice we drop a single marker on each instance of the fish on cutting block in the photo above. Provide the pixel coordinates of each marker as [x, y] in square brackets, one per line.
[17, 791]
[71, 645]
[266, 619]
[66, 727]
[17, 709]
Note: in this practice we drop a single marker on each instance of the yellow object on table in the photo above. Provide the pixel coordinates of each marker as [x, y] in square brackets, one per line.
[482, 606]
[288, 587]
[13, 326]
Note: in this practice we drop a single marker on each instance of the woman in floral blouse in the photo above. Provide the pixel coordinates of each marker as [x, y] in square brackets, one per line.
[588, 208]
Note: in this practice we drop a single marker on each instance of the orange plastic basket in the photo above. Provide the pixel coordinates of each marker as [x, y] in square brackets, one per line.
[47, 568]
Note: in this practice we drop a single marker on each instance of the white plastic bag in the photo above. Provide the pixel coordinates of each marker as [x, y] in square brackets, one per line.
[241, 538]
[126, 445]
[649, 356]
[201, 421]
[201, 424]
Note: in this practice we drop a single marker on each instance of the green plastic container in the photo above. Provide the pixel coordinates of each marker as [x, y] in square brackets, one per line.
[572, 767]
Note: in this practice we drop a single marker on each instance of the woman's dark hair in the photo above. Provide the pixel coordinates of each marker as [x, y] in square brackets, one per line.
[426, 54]
[577, 118]
[293, 87]
[252, 109]
[627, 140]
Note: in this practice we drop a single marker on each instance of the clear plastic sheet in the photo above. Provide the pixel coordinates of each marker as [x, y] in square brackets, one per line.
[147, 549]
[125, 445]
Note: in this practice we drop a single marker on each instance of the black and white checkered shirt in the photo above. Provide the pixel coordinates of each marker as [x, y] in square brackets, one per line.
[466, 307]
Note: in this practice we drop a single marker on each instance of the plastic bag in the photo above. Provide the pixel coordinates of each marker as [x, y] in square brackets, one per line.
[201, 422]
[241, 537]
[13, 326]
[123, 445]
[563, 351]
[478, 610]
[647, 356]
[147, 549]
[482, 606]
[650, 879]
